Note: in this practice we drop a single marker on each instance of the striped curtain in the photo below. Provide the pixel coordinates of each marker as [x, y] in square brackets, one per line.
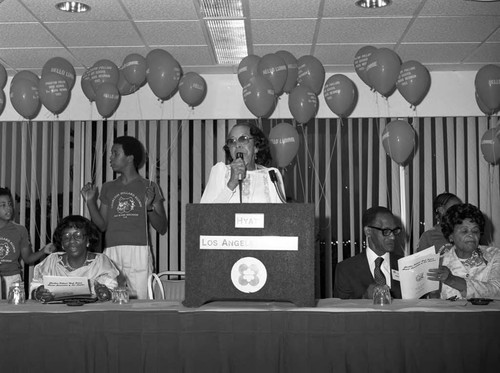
[341, 167]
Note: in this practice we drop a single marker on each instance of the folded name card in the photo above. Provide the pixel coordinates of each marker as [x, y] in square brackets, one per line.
[65, 286]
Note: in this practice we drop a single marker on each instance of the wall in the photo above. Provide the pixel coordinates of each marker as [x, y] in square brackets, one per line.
[450, 94]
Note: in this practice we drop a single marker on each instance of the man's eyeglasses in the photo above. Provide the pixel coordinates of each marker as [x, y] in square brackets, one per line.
[77, 236]
[6, 204]
[242, 140]
[387, 231]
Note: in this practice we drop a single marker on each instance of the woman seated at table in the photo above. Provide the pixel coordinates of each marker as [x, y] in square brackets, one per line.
[468, 270]
[248, 157]
[78, 238]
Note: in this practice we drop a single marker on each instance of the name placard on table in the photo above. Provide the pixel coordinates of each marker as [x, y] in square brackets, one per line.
[269, 243]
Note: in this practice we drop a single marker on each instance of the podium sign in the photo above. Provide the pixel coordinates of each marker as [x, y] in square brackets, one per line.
[250, 252]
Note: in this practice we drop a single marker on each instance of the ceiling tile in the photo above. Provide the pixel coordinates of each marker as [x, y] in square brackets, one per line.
[348, 8]
[282, 31]
[13, 11]
[277, 9]
[25, 35]
[89, 56]
[189, 55]
[172, 33]
[460, 8]
[33, 59]
[340, 54]
[435, 52]
[161, 9]
[485, 53]
[297, 50]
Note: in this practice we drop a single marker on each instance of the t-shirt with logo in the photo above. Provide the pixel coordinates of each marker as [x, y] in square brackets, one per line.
[13, 237]
[127, 216]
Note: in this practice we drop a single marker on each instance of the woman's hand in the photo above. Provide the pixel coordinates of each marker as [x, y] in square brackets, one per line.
[42, 295]
[238, 172]
[102, 292]
[439, 274]
[89, 192]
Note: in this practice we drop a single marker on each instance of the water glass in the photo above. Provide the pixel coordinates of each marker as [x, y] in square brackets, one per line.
[121, 295]
[381, 295]
[16, 293]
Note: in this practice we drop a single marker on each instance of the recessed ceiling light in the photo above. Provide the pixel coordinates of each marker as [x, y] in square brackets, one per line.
[373, 3]
[73, 7]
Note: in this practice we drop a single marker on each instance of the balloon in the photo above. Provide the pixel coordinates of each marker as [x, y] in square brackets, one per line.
[107, 99]
[399, 140]
[340, 94]
[285, 143]
[87, 86]
[192, 89]
[124, 87]
[104, 71]
[490, 146]
[413, 82]
[483, 107]
[24, 98]
[134, 69]
[247, 69]
[25, 75]
[62, 67]
[273, 68]
[2, 101]
[292, 70]
[487, 84]
[258, 95]
[163, 73]
[361, 60]
[303, 103]
[382, 70]
[311, 73]
[54, 92]
[3, 77]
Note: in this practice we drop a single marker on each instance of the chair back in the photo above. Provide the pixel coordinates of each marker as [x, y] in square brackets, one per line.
[167, 285]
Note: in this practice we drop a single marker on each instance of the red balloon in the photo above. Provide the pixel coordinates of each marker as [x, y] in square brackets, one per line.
[340, 94]
[62, 67]
[3, 77]
[483, 107]
[361, 60]
[273, 68]
[54, 92]
[303, 103]
[134, 69]
[413, 82]
[292, 70]
[124, 87]
[311, 73]
[192, 89]
[25, 75]
[107, 99]
[86, 83]
[25, 98]
[104, 71]
[490, 146]
[2, 101]
[285, 143]
[487, 84]
[247, 69]
[382, 70]
[398, 139]
[163, 74]
[258, 96]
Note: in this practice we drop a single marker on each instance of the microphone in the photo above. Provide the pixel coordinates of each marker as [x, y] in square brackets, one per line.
[274, 179]
[240, 178]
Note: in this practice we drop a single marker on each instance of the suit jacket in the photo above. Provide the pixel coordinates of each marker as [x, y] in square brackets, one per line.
[353, 276]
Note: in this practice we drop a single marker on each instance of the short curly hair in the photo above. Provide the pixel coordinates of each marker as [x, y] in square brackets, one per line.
[132, 146]
[78, 222]
[263, 156]
[457, 214]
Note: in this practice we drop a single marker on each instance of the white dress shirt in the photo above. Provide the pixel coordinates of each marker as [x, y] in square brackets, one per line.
[385, 267]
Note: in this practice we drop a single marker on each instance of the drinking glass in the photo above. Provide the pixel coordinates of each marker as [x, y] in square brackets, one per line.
[120, 295]
[381, 295]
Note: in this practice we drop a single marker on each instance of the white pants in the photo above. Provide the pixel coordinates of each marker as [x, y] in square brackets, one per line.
[135, 264]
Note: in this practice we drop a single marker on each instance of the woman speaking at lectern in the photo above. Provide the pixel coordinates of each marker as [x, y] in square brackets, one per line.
[246, 177]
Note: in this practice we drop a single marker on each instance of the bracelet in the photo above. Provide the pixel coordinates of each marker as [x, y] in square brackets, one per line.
[151, 209]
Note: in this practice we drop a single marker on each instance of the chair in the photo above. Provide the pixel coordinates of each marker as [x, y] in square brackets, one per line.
[162, 286]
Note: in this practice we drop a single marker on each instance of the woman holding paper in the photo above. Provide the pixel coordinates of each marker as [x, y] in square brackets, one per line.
[468, 270]
[76, 238]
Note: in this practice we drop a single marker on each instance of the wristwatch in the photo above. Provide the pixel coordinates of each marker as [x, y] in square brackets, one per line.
[151, 209]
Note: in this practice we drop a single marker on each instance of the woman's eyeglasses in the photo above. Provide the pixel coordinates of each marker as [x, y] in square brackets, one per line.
[77, 236]
[387, 231]
[242, 140]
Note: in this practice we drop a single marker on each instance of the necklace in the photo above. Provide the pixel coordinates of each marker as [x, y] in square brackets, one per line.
[67, 265]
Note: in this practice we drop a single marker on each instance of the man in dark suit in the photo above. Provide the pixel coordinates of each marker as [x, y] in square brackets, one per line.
[357, 276]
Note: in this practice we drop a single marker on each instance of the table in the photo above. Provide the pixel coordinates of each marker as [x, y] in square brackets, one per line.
[335, 336]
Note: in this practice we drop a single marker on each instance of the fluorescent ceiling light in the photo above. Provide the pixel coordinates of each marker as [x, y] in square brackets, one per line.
[225, 22]
[73, 7]
[373, 3]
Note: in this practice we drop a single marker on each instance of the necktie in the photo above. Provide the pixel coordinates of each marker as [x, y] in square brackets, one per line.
[377, 273]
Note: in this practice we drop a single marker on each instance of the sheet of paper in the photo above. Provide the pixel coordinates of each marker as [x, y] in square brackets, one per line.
[413, 273]
[66, 286]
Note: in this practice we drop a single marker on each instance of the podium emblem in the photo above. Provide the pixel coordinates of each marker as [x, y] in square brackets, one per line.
[248, 275]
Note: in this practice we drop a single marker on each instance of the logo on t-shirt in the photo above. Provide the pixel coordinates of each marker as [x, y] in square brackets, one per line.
[5, 248]
[125, 205]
